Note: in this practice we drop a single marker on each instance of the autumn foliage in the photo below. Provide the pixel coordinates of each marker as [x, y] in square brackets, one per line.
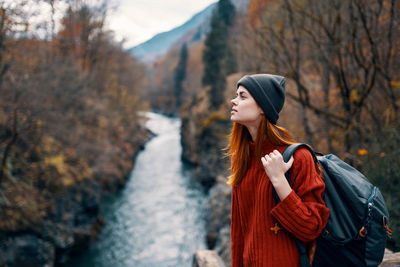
[68, 113]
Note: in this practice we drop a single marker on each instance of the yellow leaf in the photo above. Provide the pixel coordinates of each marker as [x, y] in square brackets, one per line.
[67, 180]
[362, 152]
[354, 96]
[58, 162]
[395, 84]
[280, 25]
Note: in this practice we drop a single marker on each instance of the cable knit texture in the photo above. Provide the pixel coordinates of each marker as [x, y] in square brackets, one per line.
[302, 213]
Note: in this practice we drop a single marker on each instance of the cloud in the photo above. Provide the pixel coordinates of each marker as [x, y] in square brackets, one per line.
[139, 20]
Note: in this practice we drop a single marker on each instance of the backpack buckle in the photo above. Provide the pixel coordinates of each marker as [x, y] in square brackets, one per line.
[385, 222]
[363, 232]
[325, 233]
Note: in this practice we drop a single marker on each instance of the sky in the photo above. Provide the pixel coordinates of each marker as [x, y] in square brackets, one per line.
[137, 21]
[134, 21]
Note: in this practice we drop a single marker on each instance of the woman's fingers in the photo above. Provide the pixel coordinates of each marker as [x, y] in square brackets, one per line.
[275, 154]
[275, 158]
[263, 160]
[275, 167]
[270, 160]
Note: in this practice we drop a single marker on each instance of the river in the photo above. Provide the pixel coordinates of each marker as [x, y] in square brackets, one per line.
[158, 219]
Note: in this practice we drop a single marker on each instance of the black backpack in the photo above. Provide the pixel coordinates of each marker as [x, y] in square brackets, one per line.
[357, 229]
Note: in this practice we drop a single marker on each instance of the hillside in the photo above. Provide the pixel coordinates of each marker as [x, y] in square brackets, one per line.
[159, 45]
[191, 31]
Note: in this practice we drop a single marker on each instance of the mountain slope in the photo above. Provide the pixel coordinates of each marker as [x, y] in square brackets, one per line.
[161, 43]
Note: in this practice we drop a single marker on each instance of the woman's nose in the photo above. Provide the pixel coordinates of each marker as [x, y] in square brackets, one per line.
[233, 101]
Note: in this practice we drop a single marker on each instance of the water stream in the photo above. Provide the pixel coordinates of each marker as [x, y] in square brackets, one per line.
[157, 220]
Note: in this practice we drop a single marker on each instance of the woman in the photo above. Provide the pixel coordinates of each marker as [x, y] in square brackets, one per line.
[255, 148]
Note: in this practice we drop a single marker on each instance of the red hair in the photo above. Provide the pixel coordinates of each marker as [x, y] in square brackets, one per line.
[239, 146]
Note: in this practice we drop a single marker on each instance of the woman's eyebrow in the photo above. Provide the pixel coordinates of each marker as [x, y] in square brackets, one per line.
[240, 93]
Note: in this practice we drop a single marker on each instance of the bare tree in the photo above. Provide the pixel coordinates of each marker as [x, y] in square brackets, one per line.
[349, 45]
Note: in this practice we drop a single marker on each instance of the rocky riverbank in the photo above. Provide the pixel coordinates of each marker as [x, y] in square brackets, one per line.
[57, 221]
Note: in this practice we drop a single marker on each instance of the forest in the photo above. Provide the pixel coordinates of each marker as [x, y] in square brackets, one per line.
[71, 96]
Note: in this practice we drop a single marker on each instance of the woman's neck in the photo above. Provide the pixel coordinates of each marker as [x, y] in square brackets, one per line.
[253, 132]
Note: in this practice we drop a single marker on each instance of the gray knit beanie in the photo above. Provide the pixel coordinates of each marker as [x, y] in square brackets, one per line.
[269, 92]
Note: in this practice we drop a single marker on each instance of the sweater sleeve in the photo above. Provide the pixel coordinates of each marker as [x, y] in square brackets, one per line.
[303, 211]
[236, 232]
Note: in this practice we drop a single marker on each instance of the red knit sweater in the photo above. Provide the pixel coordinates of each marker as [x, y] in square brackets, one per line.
[254, 213]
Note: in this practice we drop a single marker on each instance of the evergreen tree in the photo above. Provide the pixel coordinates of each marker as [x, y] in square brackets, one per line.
[214, 51]
[230, 62]
[218, 57]
[226, 12]
[180, 75]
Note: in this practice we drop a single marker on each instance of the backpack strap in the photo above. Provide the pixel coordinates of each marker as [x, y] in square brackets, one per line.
[287, 154]
[289, 151]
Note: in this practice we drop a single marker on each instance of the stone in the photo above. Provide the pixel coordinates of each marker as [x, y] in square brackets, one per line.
[26, 250]
[223, 245]
[207, 258]
[390, 259]
[219, 210]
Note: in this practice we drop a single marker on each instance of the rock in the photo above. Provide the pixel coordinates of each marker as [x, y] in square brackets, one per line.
[203, 138]
[218, 211]
[207, 258]
[213, 139]
[218, 225]
[26, 250]
[71, 221]
[223, 244]
[191, 116]
[390, 259]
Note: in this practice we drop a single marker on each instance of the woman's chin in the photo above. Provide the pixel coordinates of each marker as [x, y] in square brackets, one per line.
[235, 119]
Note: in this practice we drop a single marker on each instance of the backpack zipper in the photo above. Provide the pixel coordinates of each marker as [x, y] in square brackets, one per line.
[372, 196]
[364, 230]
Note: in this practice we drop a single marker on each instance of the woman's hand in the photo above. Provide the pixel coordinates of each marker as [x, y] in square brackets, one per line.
[276, 168]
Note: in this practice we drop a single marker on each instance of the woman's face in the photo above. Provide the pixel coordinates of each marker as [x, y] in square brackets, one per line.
[245, 109]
